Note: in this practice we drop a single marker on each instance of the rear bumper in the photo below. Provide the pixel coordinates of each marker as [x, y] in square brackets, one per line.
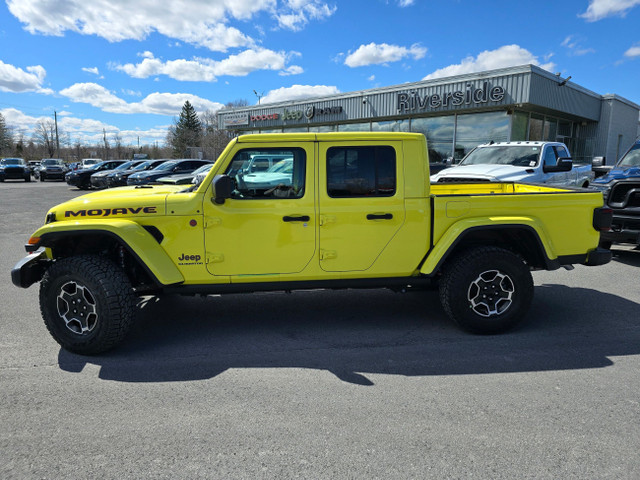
[599, 256]
[30, 269]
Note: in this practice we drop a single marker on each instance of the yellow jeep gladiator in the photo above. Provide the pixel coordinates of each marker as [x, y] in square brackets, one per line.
[333, 210]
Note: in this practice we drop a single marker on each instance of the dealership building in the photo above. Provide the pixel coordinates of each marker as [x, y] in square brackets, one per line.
[457, 113]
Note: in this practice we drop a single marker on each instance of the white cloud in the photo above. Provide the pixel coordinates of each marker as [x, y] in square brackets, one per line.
[85, 130]
[382, 53]
[633, 52]
[292, 70]
[204, 23]
[207, 70]
[155, 103]
[599, 9]
[199, 22]
[93, 70]
[297, 13]
[17, 80]
[573, 44]
[299, 92]
[505, 56]
[406, 3]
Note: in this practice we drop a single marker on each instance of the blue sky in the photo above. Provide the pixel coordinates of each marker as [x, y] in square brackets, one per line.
[127, 67]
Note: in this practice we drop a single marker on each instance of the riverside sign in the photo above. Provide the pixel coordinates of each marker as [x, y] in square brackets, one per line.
[469, 96]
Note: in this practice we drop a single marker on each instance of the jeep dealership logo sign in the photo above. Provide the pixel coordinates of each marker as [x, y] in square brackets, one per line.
[309, 113]
[471, 95]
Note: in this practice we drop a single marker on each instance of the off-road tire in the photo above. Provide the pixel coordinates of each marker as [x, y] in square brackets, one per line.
[100, 291]
[486, 290]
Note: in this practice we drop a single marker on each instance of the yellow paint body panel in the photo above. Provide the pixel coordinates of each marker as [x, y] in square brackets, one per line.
[247, 241]
[136, 237]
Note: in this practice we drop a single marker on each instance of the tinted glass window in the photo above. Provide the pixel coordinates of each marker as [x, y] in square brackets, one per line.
[549, 157]
[283, 177]
[361, 171]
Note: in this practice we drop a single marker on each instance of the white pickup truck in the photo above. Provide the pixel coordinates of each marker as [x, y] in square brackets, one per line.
[530, 162]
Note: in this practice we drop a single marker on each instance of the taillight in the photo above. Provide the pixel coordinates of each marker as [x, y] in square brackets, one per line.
[602, 219]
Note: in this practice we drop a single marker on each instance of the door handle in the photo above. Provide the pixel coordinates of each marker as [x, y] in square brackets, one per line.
[300, 218]
[379, 216]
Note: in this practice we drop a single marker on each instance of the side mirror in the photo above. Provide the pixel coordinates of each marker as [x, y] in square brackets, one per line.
[565, 164]
[598, 161]
[222, 188]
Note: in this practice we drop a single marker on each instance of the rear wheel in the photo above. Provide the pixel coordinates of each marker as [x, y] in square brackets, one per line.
[87, 304]
[486, 290]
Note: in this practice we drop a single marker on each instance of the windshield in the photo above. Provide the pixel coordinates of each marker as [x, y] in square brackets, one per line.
[124, 166]
[516, 155]
[12, 161]
[51, 161]
[142, 166]
[632, 158]
[165, 166]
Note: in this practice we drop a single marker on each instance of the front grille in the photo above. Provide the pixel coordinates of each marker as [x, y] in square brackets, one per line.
[625, 195]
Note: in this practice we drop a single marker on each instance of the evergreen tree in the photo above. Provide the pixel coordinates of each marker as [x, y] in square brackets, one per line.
[186, 131]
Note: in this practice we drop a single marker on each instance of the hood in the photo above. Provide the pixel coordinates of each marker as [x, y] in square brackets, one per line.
[485, 172]
[619, 174]
[116, 203]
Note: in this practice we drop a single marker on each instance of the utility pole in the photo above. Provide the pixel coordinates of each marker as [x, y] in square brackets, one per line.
[55, 116]
[259, 95]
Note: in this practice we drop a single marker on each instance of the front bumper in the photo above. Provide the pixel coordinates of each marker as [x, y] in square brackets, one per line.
[625, 227]
[14, 174]
[53, 174]
[30, 269]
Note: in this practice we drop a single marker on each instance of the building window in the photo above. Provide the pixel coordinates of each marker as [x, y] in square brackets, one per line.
[322, 128]
[361, 171]
[392, 126]
[519, 126]
[536, 129]
[355, 127]
[477, 128]
[550, 129]
[439, 132]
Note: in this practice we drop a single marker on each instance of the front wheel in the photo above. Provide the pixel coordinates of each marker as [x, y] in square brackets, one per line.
[87, 304]
[486, 290]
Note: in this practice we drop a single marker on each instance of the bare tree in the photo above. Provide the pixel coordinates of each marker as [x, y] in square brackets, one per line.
[214, 139]
[44, 136]
[120, 149]
[6, 136]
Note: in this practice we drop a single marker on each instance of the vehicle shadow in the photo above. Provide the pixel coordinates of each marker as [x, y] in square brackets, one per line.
[354, 334]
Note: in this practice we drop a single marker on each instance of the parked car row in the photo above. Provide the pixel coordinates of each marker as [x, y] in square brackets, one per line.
[115, 173]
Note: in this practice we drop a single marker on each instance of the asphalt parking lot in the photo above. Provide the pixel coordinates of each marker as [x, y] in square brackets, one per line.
[347, 384]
